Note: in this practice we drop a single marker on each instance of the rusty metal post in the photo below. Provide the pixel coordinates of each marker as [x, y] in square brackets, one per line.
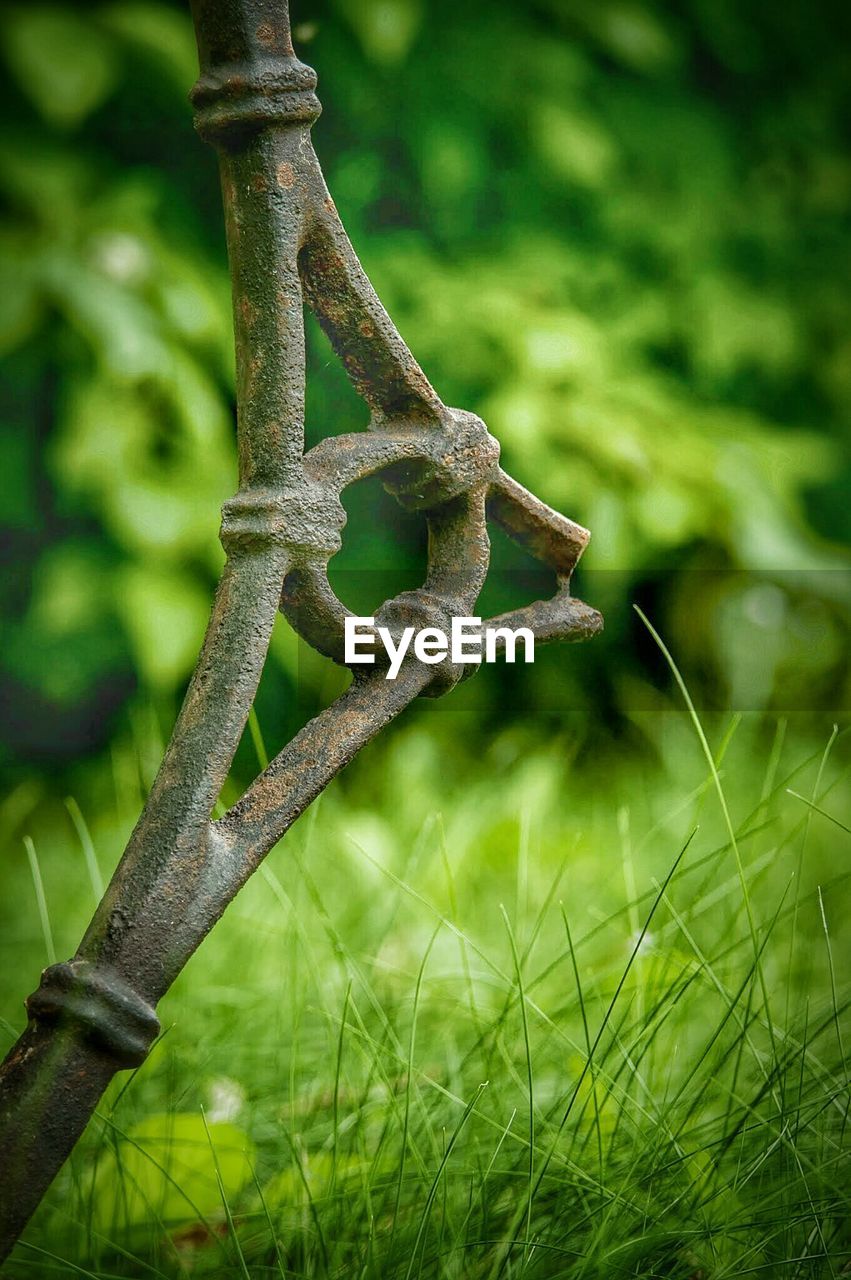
[93, 1015]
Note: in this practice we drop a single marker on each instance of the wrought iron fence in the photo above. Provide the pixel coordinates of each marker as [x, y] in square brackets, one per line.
[94, 1014]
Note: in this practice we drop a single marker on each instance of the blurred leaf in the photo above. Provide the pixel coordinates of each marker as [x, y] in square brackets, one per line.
[70, 588]
[735, 326]
[64, 64]
[18, 500]
[159, 30]
[385, 28]
[292, 1186]
[165, 614]
[165, 1170]
[123, 330]
[45, 179]
[634, 34]
[574, 145]
[20, 298]
[65, 666]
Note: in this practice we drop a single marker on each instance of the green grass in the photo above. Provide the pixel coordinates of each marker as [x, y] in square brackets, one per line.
[518, 1015]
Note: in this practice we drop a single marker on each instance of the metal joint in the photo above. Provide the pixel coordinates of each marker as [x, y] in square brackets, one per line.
[306, 518]
[99, 1005]
[235, 99]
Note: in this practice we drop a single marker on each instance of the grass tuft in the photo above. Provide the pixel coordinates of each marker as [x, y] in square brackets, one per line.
[667, 1081]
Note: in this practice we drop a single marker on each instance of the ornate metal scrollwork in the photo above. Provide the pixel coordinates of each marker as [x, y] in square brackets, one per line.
[94, 1015]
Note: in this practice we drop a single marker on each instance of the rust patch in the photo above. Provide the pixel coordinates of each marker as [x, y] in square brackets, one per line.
[285, 175]
[247, 311]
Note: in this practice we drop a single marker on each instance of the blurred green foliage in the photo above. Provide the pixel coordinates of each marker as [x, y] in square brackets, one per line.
[616, 230]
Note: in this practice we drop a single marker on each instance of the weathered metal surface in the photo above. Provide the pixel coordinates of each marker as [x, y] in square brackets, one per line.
[94, 1015]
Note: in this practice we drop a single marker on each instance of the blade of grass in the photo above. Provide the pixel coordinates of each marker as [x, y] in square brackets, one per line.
[793, 933]
[817, 809]
[586, 1031]
[272, 1230]
[257, 739]
[41, 900]
[335, 1119]
[65, 1262]
[832, 970]
[432, 1191]
[530, 1079]
[722, 800]
[408, 1084]
[314, 1212]
[82, 830]
[223, 1195]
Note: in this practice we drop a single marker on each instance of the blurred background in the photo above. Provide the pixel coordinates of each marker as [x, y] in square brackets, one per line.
[617, 231]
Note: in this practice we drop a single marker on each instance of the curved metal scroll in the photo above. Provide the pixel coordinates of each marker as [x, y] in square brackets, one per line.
[94, 1015]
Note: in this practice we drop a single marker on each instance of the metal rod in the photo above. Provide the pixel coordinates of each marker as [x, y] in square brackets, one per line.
[94, 1015]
